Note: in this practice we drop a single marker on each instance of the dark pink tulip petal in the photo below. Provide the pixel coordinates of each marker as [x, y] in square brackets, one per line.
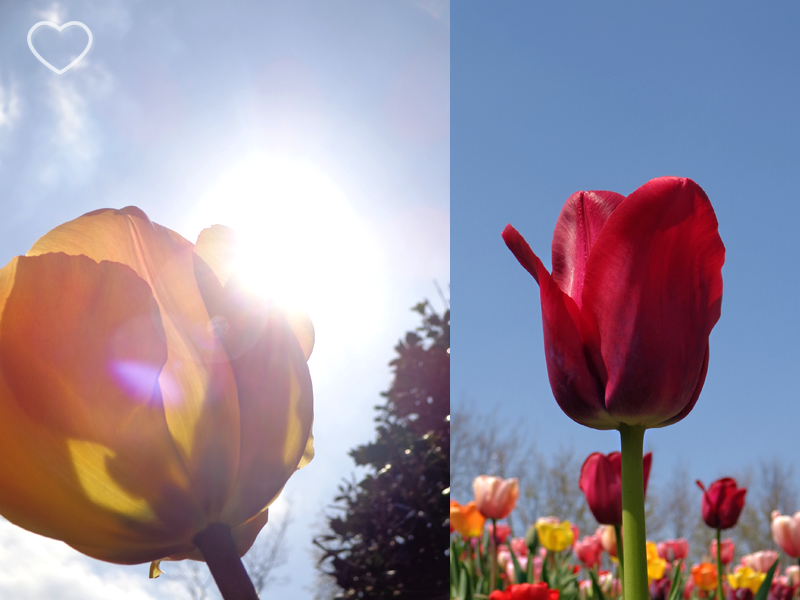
[575, 388]
[601, 483]
[578, 226]
[652, 294]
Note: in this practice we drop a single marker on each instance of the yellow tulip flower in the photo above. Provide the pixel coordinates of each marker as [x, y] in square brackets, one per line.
[745, 577]
[554, 535]
[145, 398]
[655, 564]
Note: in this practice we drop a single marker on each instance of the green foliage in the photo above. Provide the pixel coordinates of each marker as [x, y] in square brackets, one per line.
[392, 537]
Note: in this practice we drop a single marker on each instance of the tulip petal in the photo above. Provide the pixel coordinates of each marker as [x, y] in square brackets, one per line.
[655, 264]
[268, 359]
[578, 226]
[196, 382]
[88, 458]
[574, 385]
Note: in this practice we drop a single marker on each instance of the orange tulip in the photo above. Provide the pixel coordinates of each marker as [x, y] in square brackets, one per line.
[705, 576]
[144, 397]
[466, 519]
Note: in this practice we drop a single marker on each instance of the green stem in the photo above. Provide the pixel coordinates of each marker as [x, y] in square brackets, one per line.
[216, 545]
[633, 527]
[719, 564]
[621, 569]
[493, 557]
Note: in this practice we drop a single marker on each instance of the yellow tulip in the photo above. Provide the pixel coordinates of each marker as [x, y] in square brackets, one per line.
[655, 564]
[745, 577]
[466, 519]
[554, 535]
[144, 397]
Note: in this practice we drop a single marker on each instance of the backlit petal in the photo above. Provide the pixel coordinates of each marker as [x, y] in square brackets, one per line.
[196, 381]
[87, 455]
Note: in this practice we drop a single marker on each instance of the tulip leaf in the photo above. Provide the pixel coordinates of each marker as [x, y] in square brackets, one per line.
[763, 590]
[676, 586]
[454, 566]
[518, 572]
[545, 570]
[597, 592]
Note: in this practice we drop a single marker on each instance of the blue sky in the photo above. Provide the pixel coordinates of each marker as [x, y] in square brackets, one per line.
[319, 130]
[554, 97]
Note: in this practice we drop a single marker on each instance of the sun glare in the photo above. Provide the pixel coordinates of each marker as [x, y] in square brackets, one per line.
[301, 243]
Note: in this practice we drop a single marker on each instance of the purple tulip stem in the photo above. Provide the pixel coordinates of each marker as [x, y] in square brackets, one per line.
[620, 559]
[633, 526]
[216, 545]
[493, 557]
[719, 564]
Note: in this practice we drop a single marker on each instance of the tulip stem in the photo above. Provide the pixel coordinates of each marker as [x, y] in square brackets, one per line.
[493, 557]
[620, 559]
[633, 526]
[719, 564]
[216, 545]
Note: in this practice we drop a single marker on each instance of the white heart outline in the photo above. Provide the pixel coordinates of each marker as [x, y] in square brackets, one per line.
[59, 29]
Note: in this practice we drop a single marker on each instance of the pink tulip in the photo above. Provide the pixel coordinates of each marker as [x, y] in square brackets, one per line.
[671, 550]
[519, 546]
[727, 550]
[503, 531]
[786, 532]
[589, 550]
[494, 496]
[793, 575]
[608, 538]
[760, 561]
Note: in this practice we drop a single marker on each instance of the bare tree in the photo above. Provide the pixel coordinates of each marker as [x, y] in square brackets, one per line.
[268, 553]
[195, 578]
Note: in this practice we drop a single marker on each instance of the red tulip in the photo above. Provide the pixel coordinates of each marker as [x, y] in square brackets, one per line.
[502, 533]
[636, 289]
[525, 591]
[672, 550]
[589, 550]
[727, 550]
[722, 503]
[601, 482]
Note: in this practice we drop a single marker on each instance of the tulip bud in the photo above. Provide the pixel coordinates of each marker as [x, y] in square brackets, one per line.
[722, 503]
[494, 496]
[727, 550]
[786, 533]
[672, 550]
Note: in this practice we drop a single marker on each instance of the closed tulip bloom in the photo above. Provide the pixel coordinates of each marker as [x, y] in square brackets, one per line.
[780, 590]
[589, 550]
[673, 550]
[727, 550]
[601, 483]
[145, 398]
[495, 497]
[722, 503]
[786, 533]
[705, 576]
[466, 520]
[525, 591]
[655, 564]
[635, 290]
[745, 577]
[659, 588]
[608, 537]
[792, 574]
[554, 535]
[501, 533]
[760, 561]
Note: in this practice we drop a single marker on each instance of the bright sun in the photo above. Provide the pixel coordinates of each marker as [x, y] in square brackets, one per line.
[301, 243]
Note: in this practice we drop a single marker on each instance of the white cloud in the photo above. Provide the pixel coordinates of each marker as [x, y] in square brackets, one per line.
[55, 13]
[9, 106]
[26, 557]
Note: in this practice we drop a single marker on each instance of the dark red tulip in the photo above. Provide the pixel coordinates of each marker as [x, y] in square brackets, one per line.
[601, 482]
[722, 503]
[636, 289]
[525, 591]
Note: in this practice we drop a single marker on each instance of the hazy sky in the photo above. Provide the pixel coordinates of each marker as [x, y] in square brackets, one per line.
[554, 97]
[319, 130]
